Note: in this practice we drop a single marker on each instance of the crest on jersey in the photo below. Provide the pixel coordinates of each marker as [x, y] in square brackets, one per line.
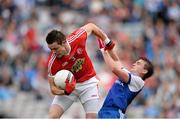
[77, 65]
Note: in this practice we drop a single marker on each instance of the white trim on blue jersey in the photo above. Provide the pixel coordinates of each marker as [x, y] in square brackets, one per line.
[136, 83]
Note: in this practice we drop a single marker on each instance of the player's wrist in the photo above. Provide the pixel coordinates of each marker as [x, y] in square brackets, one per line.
[66, 93]
[102, 50]
[107, 40]
[110, 45]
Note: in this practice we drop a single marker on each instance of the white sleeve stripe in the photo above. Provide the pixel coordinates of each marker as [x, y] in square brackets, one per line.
[50, 63]
[72, 37]
[76, 36]
[50, 60]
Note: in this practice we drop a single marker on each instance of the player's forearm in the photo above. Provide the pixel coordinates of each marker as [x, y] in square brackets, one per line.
[93, 29]
[108, 60]
[57, 91]
[54, 89]
[99, 33]
[113, 54]
[114, 65]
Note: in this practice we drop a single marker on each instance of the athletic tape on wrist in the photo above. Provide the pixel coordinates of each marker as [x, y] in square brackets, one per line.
[107, 40]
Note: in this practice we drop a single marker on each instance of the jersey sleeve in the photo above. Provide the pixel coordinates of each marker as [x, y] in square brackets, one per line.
[135, 83]
[79, 36]
[50, 62]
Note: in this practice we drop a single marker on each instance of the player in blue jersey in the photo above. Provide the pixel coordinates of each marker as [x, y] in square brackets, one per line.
[126, 88]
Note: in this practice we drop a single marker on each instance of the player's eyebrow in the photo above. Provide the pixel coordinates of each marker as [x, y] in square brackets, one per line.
[138, 62]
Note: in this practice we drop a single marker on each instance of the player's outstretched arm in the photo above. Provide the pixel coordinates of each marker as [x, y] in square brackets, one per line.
[113, 54]
[91, 28]
[115, 66]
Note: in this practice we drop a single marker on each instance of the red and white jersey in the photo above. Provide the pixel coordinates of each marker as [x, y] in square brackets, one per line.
[78, 62]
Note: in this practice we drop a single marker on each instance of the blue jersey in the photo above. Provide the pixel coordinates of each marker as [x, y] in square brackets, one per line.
[121, 95]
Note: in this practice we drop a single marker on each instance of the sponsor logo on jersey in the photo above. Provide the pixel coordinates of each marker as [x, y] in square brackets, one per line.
[77, 65]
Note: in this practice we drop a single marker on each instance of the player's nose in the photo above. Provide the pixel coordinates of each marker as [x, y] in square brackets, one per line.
[133, 64]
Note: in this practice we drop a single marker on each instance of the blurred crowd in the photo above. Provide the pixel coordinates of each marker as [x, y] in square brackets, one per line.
[148, 28]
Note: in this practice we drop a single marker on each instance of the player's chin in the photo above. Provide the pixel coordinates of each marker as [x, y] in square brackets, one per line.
[68, 52]
[59, 55]
[132, 70]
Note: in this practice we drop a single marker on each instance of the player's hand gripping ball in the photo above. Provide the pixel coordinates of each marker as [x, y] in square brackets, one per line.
[65, 80]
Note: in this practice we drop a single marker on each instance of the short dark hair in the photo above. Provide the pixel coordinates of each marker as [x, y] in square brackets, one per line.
[55, 36]
[148, 66]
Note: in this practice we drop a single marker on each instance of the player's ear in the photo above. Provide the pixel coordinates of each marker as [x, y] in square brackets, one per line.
[145, 71]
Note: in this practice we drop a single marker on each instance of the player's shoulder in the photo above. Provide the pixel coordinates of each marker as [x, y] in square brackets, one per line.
[78, 31]
[136, 83]
[75, 35]
[136, 78]
[51, 55]
[133, 76]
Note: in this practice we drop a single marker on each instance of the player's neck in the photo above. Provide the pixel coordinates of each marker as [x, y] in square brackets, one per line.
[135, 73]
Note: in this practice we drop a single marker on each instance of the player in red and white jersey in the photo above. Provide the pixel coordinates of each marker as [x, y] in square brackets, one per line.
[69, 53]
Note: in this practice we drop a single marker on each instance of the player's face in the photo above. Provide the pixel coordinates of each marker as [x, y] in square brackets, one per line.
[138, 67]
[60, 50]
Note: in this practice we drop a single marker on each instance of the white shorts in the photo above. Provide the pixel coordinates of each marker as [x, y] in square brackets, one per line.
[86, 92]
